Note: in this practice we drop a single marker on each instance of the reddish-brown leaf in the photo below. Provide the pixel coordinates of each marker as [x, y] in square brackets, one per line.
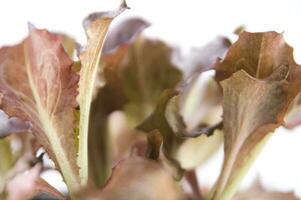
[260, 80]
[40, 88]
[138, 178]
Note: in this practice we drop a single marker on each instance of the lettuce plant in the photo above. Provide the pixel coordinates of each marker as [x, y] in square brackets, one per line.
[129, 117]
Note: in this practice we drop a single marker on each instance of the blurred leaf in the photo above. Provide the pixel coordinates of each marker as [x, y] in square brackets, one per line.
[6, 156]
[177, 124]
[15, 161]
[201, 59]
[154, 142]
[10, 125]
[192, 180]
[125, 139]
[182, 104]
[200, 102]
[135, 75]
[146, 71]
[196, 151]
[240, 29]
[123, 33]
[199, 93]
[6, 163]
[257, 192]
[293, 117]
[29, 184]
[195, 111]
[157, 122]
[69, 44]
[205, 57]
[38, 81]
[138, 178]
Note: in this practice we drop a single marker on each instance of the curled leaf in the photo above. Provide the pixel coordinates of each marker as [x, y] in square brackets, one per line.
[96, 25]
[259, 54]
[260, 84]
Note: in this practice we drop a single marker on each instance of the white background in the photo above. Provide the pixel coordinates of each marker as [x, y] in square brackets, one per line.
[185, 24]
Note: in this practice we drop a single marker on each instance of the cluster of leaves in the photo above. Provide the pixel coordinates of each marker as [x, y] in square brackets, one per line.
[128, 118]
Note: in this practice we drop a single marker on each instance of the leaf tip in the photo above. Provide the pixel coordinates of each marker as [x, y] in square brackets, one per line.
[31, 27]
[124, 5]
